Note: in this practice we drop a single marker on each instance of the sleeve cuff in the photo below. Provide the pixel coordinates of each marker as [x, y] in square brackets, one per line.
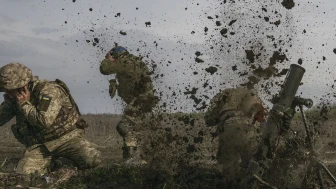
[23, 105]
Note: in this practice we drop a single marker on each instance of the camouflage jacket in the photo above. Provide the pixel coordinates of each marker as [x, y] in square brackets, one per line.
[232, 102]
[133, 75]
[49, 113]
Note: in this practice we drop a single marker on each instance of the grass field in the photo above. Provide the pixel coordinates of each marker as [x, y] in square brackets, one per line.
[182, 154]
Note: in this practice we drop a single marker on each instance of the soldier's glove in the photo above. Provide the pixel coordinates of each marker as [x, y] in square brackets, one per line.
[113, 87]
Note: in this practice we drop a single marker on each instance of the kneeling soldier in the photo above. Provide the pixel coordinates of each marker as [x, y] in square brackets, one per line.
[48, 121]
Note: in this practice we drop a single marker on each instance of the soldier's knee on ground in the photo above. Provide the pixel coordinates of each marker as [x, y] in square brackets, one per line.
[94, 160]
[90, 158]
[35, 160]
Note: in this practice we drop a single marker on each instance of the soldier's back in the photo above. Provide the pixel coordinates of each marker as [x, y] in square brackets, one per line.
[134, 80]
[232, 111]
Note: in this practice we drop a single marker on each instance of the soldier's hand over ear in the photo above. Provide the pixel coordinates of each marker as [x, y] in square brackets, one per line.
[109, 56]
[23, 95]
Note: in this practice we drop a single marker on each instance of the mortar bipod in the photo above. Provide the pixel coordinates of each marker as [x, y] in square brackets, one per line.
[315, 162]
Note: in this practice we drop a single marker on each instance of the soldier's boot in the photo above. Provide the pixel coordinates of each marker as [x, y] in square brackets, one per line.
[131, 156]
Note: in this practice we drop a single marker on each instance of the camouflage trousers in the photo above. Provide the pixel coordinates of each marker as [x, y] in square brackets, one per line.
[238, 139]
[131, 126]
[79, 150]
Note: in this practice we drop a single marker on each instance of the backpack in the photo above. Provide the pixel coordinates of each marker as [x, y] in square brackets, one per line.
[81, 123]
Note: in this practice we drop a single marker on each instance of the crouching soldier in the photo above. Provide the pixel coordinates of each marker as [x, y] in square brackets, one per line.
[237, 113]
[48, 121]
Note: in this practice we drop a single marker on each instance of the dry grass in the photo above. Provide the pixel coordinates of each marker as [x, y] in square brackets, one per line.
[102, 128]
[181, 148]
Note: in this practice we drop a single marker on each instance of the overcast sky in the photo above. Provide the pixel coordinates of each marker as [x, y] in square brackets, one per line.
[55, 39]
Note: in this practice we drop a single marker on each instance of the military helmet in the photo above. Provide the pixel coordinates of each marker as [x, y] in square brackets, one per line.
[118, 51]
[14, 75]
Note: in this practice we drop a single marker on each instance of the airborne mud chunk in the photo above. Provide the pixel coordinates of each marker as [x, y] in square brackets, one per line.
[232, 22]
[283, 72]
[196, 100]
[234, 68]
[277, 57]
[206, 29]
[277, 23]
[250, 55]
[265, 73]
[211, 69]
[123, 33]
[300, 61]
[148, 24]
[187, 120]
[223, 32]
[288, 4]
[198, 60]
[252, 80]
[197, 53]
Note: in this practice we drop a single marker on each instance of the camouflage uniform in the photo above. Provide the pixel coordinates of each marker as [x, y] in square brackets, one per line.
[135, 88]
[234, 111]
[48, 124]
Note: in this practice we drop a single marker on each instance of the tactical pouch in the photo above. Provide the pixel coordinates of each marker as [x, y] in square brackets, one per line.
[24, 134]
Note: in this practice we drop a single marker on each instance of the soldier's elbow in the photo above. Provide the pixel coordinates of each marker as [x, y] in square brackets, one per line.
[103, 70]
[104, 67]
